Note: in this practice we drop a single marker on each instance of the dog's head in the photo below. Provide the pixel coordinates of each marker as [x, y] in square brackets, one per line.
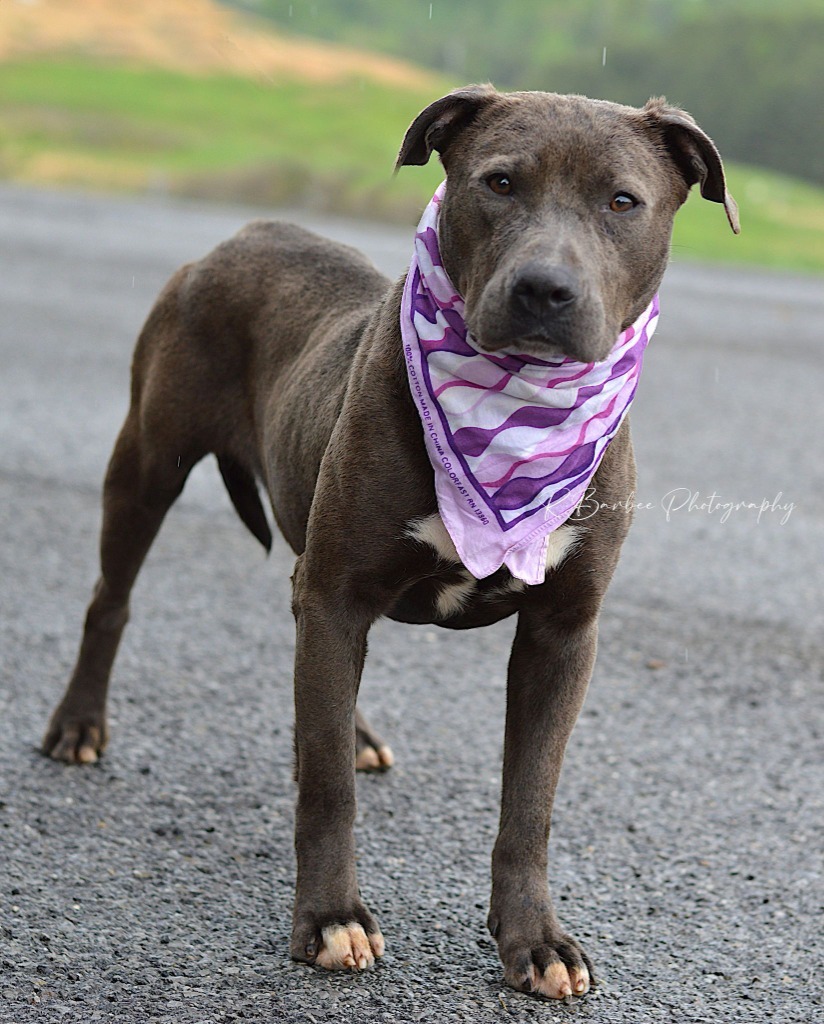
[556, 222]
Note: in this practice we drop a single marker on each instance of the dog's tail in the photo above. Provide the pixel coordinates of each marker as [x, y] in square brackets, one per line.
[243, 491]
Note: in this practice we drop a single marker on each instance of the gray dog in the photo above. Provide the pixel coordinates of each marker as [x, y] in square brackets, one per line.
[281, 353]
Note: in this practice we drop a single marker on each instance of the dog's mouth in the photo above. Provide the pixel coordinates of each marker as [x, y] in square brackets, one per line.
[533, 344]
[528, 348]
[538, 344]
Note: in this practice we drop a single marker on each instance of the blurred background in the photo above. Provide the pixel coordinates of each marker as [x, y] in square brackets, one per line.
[304, 103]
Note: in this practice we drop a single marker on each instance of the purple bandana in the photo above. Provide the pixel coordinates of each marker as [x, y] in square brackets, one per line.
[514, 440]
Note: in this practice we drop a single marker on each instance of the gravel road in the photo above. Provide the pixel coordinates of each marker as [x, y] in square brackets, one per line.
[687, 843]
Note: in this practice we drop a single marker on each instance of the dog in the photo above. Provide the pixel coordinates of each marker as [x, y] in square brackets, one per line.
[281, 353]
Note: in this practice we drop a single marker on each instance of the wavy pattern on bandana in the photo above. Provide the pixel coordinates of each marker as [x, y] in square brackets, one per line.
[514, 440]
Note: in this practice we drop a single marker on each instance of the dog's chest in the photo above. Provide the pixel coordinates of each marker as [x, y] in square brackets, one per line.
[454, 594]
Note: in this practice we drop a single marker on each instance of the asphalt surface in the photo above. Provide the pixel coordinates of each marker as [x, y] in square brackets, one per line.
[686, 851]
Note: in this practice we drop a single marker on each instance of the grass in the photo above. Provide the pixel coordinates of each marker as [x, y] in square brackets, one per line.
[332, 147]
[69, 122]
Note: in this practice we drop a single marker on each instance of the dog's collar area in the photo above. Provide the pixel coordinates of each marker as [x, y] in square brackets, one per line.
[514, 440]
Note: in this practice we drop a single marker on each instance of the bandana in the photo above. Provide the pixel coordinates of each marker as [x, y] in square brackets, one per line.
[514, 440]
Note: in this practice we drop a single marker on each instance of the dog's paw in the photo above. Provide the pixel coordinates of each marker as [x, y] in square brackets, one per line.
[348, 947]
[75, 740]
[341, 947]
[554, 969]
[373, 759]
[371, 753]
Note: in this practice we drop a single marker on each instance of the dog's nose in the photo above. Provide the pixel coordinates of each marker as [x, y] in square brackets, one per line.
[544, 291]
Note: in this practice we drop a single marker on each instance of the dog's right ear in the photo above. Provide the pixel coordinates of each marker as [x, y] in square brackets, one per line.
[437, 126]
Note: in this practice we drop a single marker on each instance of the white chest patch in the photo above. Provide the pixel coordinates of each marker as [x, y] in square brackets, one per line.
[453, 596]
[432, 532]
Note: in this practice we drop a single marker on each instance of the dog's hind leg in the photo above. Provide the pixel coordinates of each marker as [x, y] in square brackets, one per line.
[154, 453]
[137, 493]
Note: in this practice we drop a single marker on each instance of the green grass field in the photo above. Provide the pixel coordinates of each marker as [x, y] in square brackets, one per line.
[67, 122]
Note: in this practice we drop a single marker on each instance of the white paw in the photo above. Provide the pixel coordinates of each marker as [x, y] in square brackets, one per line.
[348, 947]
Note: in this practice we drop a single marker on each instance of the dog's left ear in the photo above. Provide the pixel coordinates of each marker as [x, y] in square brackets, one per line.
[694, 153]
[436, 127]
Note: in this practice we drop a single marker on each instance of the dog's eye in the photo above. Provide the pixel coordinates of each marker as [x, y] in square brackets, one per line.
[622, 201]
[500, 184]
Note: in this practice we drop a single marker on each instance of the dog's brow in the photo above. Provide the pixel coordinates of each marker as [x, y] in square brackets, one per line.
[517, 164]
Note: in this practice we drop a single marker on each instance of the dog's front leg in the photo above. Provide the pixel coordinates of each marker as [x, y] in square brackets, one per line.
[549, 670]
[331, 926]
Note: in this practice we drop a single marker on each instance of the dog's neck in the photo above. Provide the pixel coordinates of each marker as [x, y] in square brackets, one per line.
[514, 441]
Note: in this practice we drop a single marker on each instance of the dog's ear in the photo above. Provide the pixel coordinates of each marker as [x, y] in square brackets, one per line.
[438, 125]
[694, 153]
